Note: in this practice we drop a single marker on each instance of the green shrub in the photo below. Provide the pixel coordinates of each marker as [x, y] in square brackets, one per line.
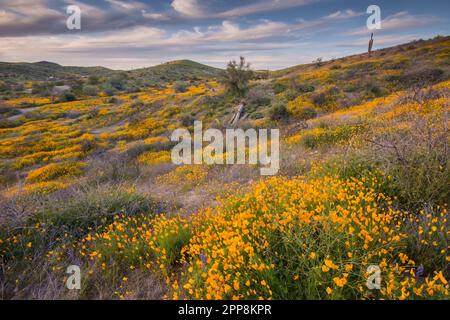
[329, 136]
[374, 89]
[350, 88]
[3, 86]
[421, 180]
[319, 99]
[278, 88]
[6, 112]
[257, 96]
[93, 80]
[420, 77]
[305, 88]
[113, 100]
[69, 218]
[67, 97]
[278, 112]
[136, 104]
[306, 113]
[180, 87]
[90, 90]
[187, 120]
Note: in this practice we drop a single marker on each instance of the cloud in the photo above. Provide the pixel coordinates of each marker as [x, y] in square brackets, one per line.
[265, 29]
[399, 21]
[22, 16]
[229, 36]
[134, 7]
[127, 5]
[343, 14]
[201, 9]
[230, 31]
[154, 16]
[191, 8]
[36, 17]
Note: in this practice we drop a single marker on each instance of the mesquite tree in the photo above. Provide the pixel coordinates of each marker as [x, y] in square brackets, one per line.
[236, 77]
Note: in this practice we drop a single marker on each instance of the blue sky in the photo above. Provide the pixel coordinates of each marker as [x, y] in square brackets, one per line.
[272, 34]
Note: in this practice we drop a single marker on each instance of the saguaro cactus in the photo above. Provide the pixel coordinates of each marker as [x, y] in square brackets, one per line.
[370, 45]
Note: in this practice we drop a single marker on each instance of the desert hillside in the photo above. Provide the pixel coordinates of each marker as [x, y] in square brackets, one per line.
[86, 178]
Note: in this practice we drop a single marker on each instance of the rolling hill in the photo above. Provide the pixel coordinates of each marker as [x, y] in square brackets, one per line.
[171, 71]
[179, 70]
[43, 70]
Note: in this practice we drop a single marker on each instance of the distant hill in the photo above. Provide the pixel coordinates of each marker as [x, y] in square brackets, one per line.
[180, 70]
[44, 70]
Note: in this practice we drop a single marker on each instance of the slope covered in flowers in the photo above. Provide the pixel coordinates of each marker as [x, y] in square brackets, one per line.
[363, 183]
[285, 239]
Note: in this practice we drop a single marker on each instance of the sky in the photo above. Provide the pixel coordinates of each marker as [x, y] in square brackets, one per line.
[271, 34]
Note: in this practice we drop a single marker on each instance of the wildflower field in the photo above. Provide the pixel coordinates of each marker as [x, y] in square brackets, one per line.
[363, 184]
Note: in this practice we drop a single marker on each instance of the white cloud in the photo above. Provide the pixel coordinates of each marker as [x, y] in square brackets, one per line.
[341, 15]
[230, 31]
[154, 16]
[190, 8]
[127, 5]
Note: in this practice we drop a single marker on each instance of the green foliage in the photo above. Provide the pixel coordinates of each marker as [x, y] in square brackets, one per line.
[180, 70]
[326, 100]
[6, 112]
[3, 86]
[64, 220]
[180, 87]
[278, 112]
[319, 99]
[41, 88]
[420, 77]
[187, 120]
[374, 89]
[90, 90]
[278, 88]
[93, 80]
[109, 90]
[258, 97]
[305, 88]
[67, 97]
[422, 180]
[306, 113]
[118, 81]
[237, 76]
[329, 136]
[136, 104]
